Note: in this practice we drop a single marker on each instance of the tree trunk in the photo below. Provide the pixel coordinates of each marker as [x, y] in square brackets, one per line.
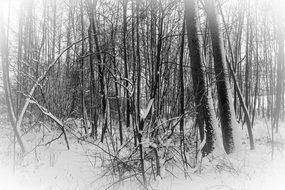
[227, 114]
[125, 62]
[205, 114]
[92, 6]
[280, 62]
[139, 122]
[6, 83]
[243, 105]
[84, 119]
[181, 89]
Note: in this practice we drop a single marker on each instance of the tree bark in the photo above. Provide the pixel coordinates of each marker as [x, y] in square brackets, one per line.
[181, 89]
[227, 114]
[205, 114]
[243, 105]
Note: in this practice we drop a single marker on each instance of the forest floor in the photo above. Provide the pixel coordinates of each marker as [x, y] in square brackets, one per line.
[53, 167]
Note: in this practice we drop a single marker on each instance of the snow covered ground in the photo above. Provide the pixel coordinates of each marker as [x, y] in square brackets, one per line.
[52, 167]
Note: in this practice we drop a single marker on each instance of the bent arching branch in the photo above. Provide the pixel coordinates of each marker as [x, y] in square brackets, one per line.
[39, 80]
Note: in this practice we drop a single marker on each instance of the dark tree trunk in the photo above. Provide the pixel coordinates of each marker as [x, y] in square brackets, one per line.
[205, 115]
[227, 114]
[181, 89]
[92, 6]
[125, 3]
[93, 113]
[139, 122]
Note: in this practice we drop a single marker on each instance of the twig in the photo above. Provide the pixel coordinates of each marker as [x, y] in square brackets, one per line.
[54, 139]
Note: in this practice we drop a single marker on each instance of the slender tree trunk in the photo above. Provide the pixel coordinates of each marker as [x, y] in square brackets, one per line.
[256, 75]
[93, 114]
[125, 62]
[6, 82]
[92, 6]
[243, 105]
[140, 123]
[82, 70]
[19, 65]
[136, 97]
[118, 102]
[280, 62]
[181, 89]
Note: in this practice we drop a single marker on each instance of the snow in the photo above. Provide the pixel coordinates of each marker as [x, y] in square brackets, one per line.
[53, 167]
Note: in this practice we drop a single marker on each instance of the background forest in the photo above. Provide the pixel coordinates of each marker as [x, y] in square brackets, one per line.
[151, 87]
